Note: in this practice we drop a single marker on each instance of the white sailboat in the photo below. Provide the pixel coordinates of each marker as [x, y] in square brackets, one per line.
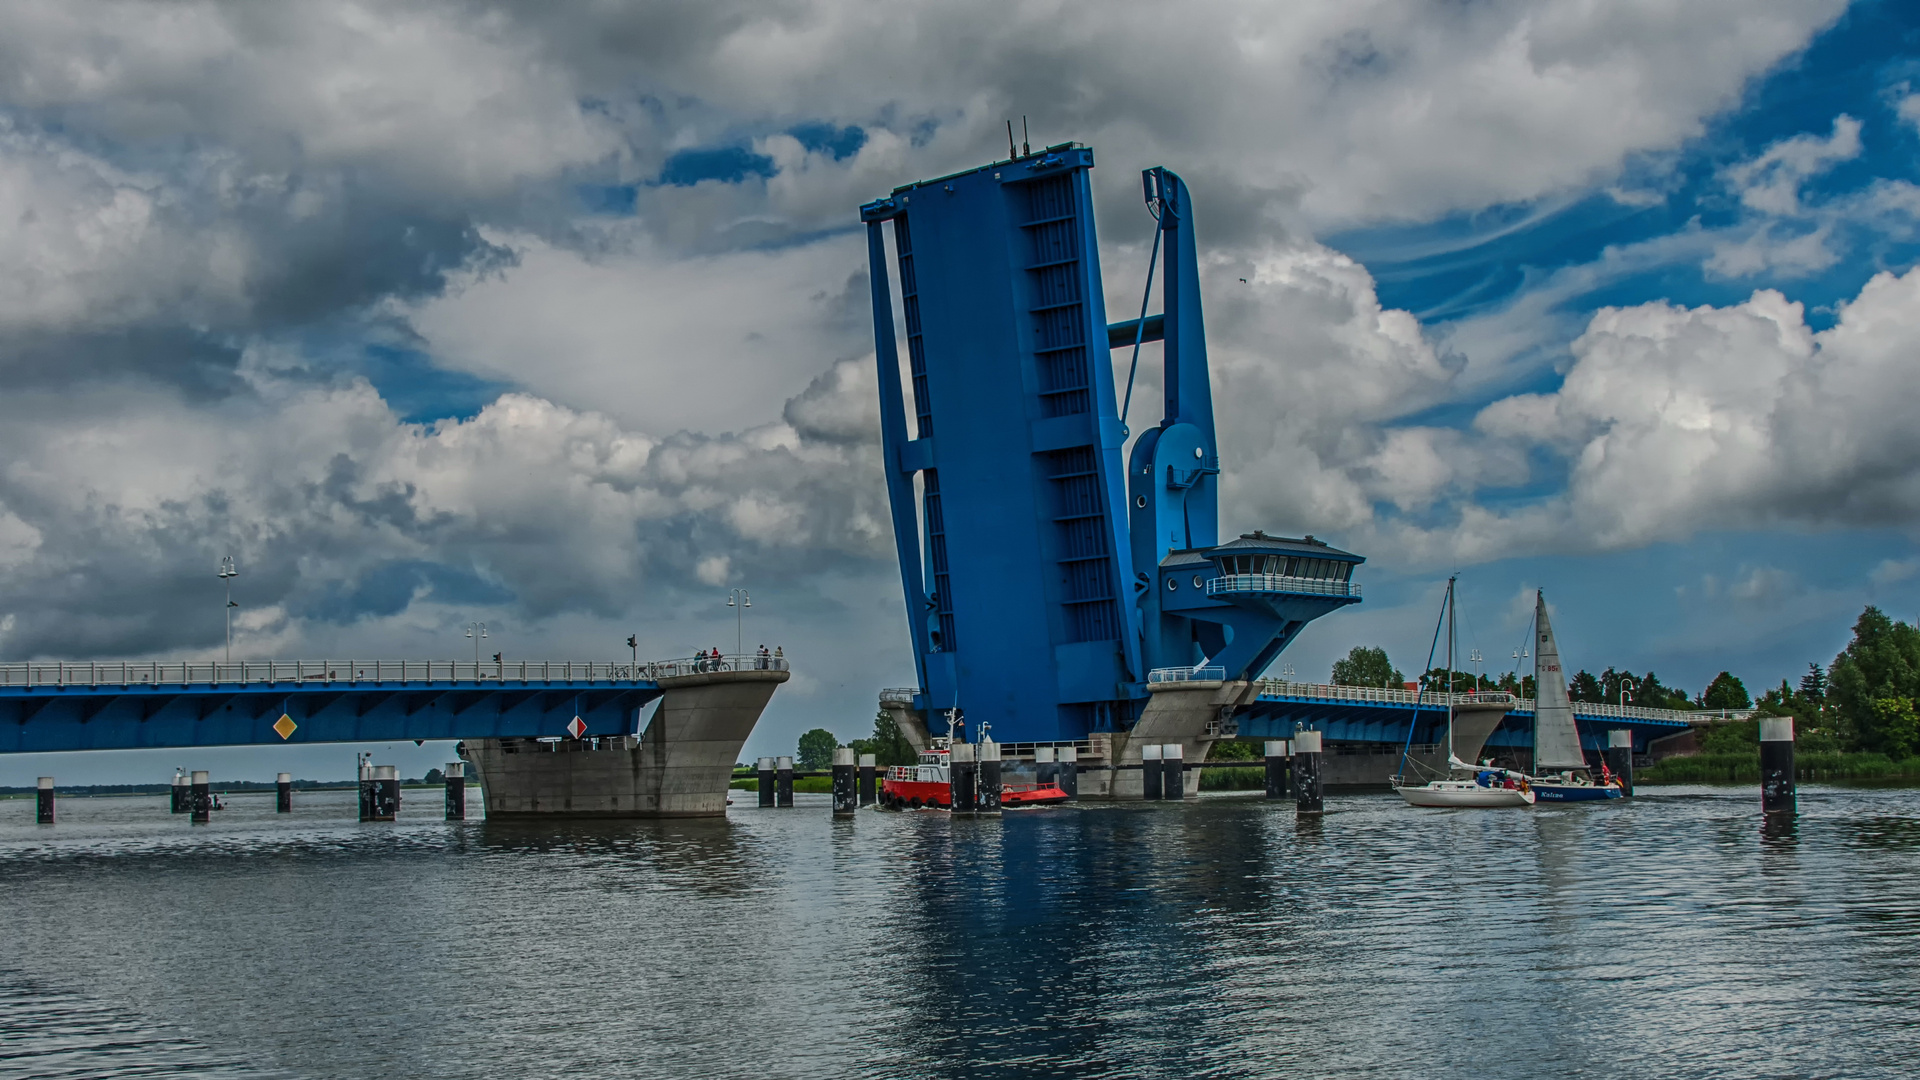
[1559, 765]
[1483, 786]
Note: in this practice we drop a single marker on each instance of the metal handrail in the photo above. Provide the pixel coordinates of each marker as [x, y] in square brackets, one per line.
[899, 695]
[1187, 674]
[1440, 699]
[1281, 583]
[156, 673]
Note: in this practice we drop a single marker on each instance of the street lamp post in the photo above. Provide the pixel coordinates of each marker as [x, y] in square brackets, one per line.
[227, 573]
[1624, 683]
[739, 616]
[477, 639]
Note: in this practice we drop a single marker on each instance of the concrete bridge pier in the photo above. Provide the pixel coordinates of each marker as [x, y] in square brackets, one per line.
[679, 766]
[912, 723]
[1184, 713]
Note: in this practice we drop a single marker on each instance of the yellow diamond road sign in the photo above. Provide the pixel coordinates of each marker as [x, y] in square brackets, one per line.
[284, 726]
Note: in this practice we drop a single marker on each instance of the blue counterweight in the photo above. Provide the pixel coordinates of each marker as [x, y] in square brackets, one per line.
[1034, 603]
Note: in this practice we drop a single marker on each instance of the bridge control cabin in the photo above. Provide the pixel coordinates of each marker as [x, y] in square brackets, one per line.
[1264, 589]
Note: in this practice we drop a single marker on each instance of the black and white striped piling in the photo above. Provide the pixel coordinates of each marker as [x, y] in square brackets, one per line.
[1044, 767]
[960, 779]
[1776, 767]
[989, 754]
[783, 782]
[283, 793]
[200, 797]
[1277, 751]
[380, 794]
[456, 791]
[43, 801]
[1619, 757]
[182, 795]
[1151, 778]
[1173, 771]
[765, 772]
[869, 779]
[1067, 770]
[1306, 773]
[846, 796]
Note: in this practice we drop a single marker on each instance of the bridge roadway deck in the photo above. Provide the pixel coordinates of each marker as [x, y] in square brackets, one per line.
[120, 706]
[1379, 715]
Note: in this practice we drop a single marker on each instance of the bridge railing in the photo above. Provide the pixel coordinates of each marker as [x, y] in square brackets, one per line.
[1439, 700]
[899, 695]
[1186, 674]
[1280, 583]
[353, 672]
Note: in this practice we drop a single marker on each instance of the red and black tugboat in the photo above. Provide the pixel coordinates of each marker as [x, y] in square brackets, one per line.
[929, 785]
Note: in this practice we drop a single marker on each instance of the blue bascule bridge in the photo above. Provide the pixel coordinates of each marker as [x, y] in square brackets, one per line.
[1056, 595]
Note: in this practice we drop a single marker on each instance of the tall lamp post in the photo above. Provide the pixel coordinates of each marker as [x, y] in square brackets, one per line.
[1624, 683]
[227, 573]
[477, 637]
[738, 600]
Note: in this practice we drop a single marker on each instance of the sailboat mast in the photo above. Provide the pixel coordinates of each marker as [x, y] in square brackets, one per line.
[1450, 639]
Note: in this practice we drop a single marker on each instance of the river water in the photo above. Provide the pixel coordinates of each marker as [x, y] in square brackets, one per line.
[1661, 936]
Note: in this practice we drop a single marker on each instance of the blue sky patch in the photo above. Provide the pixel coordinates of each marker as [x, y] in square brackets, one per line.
[727, 164]
[1471, 264]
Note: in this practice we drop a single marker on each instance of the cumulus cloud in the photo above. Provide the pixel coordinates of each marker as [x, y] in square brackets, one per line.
[336, 510]
[1771, 182]
[1677, 420]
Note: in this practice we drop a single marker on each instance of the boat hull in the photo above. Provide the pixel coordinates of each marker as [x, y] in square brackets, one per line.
[937, 795]
[1465, 795]
[1574, 792]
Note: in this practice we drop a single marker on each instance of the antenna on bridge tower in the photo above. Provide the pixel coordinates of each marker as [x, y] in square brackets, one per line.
[1024, 148]
[1011, 151]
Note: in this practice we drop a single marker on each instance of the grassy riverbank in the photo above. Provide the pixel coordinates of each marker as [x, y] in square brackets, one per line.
[1744, 768]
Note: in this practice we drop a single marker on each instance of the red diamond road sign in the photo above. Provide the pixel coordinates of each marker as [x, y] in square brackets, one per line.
[577, 728]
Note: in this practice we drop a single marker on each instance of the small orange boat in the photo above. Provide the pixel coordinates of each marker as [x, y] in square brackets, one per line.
[929, 786]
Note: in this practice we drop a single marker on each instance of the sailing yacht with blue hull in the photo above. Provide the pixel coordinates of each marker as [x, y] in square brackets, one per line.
[1561, 773]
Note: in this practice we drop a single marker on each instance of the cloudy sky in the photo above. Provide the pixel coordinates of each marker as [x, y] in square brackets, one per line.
[554, 316]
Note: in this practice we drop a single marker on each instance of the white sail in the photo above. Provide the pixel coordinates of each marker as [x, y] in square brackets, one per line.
[1556, 742]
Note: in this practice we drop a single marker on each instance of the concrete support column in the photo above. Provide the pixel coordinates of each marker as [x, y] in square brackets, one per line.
[1776, 768]
[1066, 770]
[783, 782]
[200, 797]
[1177, 712]
[960, 779]
[1173, 772]
[456, 790]
[1619, 757]
[1277, 755]
[681, 765]
[1306, 773]
[43, 801]
[1044, 767]
[989, 801]
[1151, 776]
[869, 779]
[283, 793]
[912, 725]
[766, 782]
[182, 795]
[846, 797]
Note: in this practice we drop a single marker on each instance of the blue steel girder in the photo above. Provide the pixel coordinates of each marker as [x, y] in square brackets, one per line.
[1272, 717]
[43, 719]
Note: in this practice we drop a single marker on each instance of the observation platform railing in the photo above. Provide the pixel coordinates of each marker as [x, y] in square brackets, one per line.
[125, 674]
[1187, 674]
[1279, 583]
